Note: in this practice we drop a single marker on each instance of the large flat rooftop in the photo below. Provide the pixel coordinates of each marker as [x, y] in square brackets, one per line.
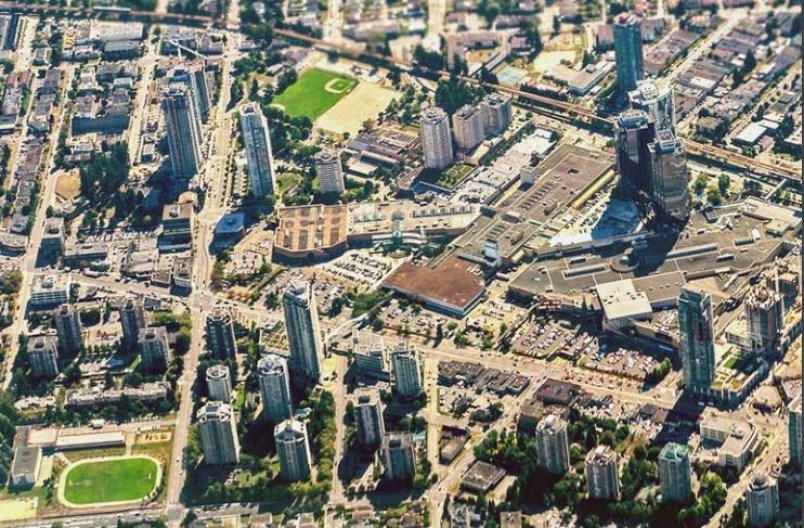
[311, 228]
[560, 179]
[453, 285]
[663, 264]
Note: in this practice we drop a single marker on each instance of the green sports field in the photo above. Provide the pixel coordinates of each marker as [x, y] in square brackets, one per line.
[314, 93]
[117, 480]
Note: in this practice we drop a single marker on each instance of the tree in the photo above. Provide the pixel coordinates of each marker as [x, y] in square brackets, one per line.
[532, 36]
[713, 196]
[751, 188]
[429, 59]
[723, 184]
[700, 183]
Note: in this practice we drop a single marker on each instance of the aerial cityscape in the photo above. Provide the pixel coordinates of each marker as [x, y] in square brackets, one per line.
[401, 263]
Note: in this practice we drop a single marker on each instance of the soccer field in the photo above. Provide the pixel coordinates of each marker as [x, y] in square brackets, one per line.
[314, 93]
[118, 480]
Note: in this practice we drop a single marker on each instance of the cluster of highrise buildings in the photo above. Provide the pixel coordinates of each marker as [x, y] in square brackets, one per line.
[650, 158]
[274, 373]
[764, 312]
[675, 472]
[216, 419]
[471, 124]
[260, 161]
[400, 365]
[44, 350]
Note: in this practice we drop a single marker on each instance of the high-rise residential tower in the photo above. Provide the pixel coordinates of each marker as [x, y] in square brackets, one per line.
[304, 333]
[674, 472]
[274, 380]
[293, 448]
[368, 416]
[467, 125]
[762, 497]
[670, 179]
[194, 78]
[697, 345]
[219, 383]
[407, 370]
[657, 101]
[436, 138]
[68, 328]
[497, 114]
[183, 129]
[602, 474]
[764, 311]
[218, 432]
[552, 444]
[132, 320]
[628, 51]
[398, 456]
[43, 356]
[154, 349]
[257, 142]
[220, 334]
[794, 436]
[633, 133]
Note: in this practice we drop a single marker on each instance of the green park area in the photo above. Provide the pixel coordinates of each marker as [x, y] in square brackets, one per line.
[451, 177]
[114, 480]
[314, 93]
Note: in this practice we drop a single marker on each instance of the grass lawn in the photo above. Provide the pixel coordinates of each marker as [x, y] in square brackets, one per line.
[453, 176]
[110, 481]
[286, 181]
[308, 96]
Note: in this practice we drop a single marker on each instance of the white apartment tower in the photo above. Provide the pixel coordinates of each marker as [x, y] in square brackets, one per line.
[293, 448]
[304, 333]
[257, 142]
[467, 125]
[436, 138]
[407, 370]
[218, 431]
[552, 444]
[368, 416]
[274, 380]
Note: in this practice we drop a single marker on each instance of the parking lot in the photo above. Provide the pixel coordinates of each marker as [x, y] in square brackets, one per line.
[361, 267]
[546, 338]
[618, 361]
